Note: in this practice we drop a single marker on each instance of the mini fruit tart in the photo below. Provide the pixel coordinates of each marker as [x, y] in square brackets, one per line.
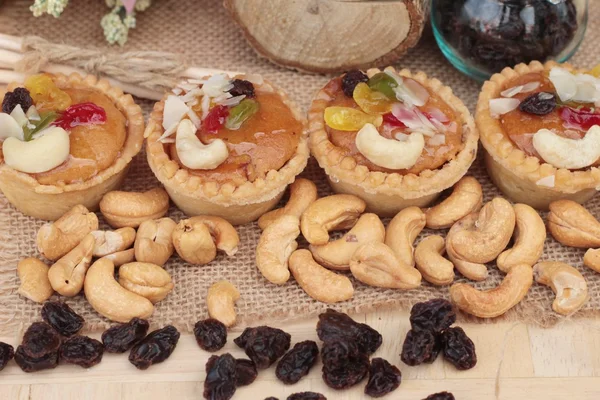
[394, 139]
[226, 146]
[540, 127]
[66, 140]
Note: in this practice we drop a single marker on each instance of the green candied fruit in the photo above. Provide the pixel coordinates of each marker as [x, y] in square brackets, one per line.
[383, 83]
[241, 113]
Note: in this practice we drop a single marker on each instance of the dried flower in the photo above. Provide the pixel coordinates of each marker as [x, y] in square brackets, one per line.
[52, 7]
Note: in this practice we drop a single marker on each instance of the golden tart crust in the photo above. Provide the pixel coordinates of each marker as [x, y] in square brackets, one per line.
[386, 193]
[50, 201]
[523, 178]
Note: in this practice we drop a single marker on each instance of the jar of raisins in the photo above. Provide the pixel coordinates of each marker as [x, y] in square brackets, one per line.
[481, 37]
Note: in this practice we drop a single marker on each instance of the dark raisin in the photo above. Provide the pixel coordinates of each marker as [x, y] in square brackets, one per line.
[220, 383]
[440, 396]
[459, 350]
[297, 362]
[40, 339]
[433, 315]
[18, 96]
[264, 345]
[7, 352]
[271, 398]
[154, 348]
[81, 350]
[242, 87]
[34, 364]
[246, 372]
[62, 318]
[383, 378]
[211, 334]
[123, 337]
[306, 396]
[334, 325]
[344, 365]
[541, 103]
[420, 347]
[351, 79]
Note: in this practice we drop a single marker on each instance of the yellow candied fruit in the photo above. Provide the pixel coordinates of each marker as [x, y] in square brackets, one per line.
[371, 101]
[595, 71]
[46, 95]
[349, 119]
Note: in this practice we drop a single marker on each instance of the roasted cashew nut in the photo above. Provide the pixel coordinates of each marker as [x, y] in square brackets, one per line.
[108, 242]
[318, 282]
[529, 234]
[572, 225]
[57, 238]
[302, 194]
[193, 153]
[430, 262]
[563, 152]
[225, 236]
[591, 259]
[35, 284]
[110, 299]
[67, 274]
[389, 153]
[39, 155]
[494, 302]
[336, 254]
[376, 264]
[567, 283]
[471, 270]
[340, 211]
[197, 239]
[220, 302]
[276, 244]
[121, 209]
[402, 231]
[147, 280]
[466, 198]
[121, 257]
[154, 241]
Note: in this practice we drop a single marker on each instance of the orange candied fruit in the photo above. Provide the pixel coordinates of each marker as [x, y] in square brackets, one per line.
[45, 94]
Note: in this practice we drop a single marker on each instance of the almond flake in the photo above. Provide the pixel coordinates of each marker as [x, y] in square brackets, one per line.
[547, 181]
[194, 118]
[232, 101]
[502, 106]
[171, 130]
[174, 110]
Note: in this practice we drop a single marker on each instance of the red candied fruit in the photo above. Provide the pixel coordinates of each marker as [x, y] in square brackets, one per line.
[81, 114]
[393, 121]
[584, 117]
[216, 118]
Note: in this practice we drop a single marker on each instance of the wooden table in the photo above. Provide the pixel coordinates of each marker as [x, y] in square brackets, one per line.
[535, 364]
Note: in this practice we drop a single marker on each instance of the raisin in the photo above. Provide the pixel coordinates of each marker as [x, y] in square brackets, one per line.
[420, 347]
[242, 87]
[123, 337]
[211, 334]
[433, 315]
[154, 348]
[7, 352]
[221, 376]
[246, 372]
[351, 79]
[344, 365]
[334, 325]
[62, 318]
[306, 396]
[297, 362]
[40, 339]
[264, 345]
[440, 396]
[81, 350]
[459, 350]
[383, 378]
[271, 398]
[34, 364]
[18, 96]
[541, 103]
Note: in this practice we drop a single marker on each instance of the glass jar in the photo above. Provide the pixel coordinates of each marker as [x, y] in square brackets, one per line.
[481, 37]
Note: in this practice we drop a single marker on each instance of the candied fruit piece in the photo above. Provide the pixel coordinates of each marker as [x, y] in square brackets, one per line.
[216, 118]
[391, 120]
[351, 79]
[383, 83]
[62, 318]
[583, 117]
[371, 101]
[45, 94]
[433, 315]
[81, 114]
[349, 119]
[241, 113]
[19, 96]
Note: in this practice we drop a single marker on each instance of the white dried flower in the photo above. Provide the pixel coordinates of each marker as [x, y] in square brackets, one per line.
[52, 7]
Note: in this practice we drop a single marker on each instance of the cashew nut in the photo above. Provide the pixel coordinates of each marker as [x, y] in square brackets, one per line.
[109, 298]
[566, 282]
[480, 238]
[154, 243]
[121, 257]
[563, 152]
[337, 254]
[147, 280]
[318, 282]
[193, 153]
[340, 211]
[193, 238]
[108, 242]
[494, 302]
[57, 238]
[466, 198]
[39, 155]
[389, 153]
[276, 244]
[225, 236]
[402, 232]
[123, 209]
[530, 234]
[591, 259]
[67, 274]
[430, 262]
[302, 194]
[35, 284]
[220, 302]
[572, 225]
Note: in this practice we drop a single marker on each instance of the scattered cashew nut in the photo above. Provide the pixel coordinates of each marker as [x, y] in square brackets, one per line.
[108, 242]
[302, 194]
[402, 231]
[35, 284]
[147, 280]
[430, 262]
[466, 198]
[389, 153]
[68, 273]
[123, 209]
[563, 152]
[276, 244]
[220, 302]
[154, 241]
[340, 211]
[193, 153]
[121, 257]
[39, 155]
[193, 238]
[572, 225]
[567, 283]
[591, 259]
[494, 302]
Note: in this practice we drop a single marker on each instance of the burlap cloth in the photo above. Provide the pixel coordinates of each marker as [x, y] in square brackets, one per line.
[203, 32]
